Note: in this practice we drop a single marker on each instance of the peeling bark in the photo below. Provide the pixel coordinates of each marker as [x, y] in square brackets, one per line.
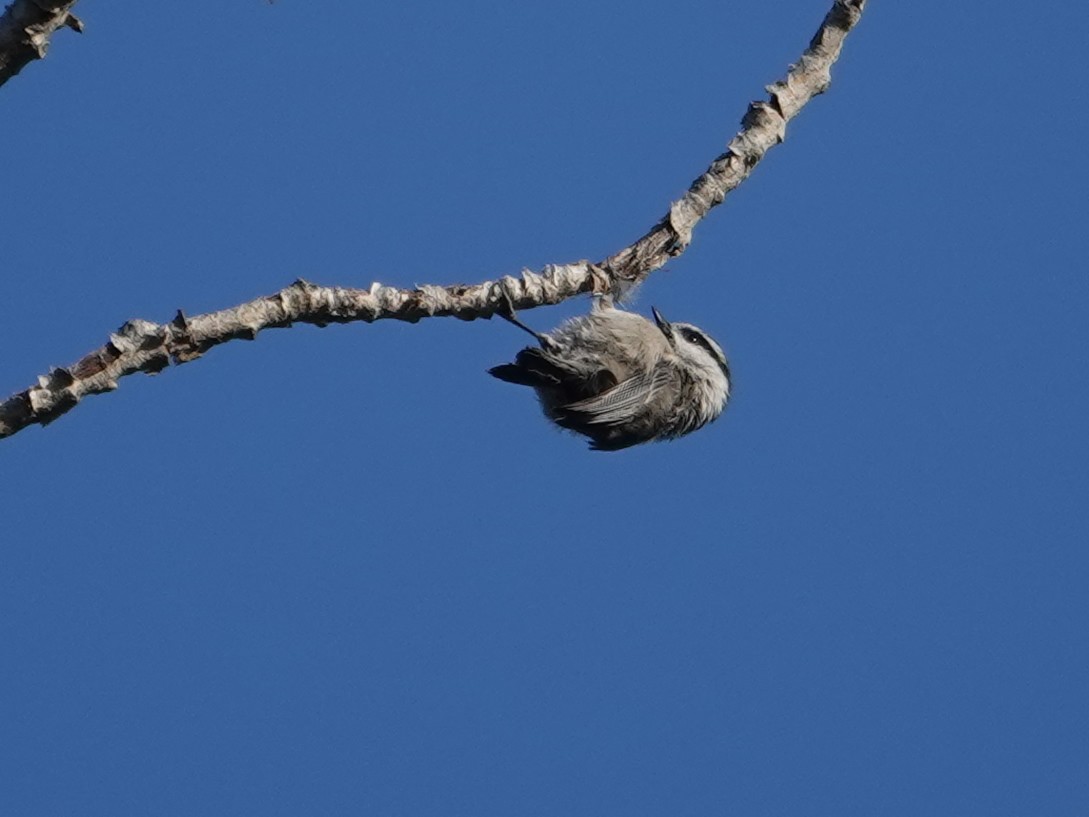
[143, 346]
[25, 29]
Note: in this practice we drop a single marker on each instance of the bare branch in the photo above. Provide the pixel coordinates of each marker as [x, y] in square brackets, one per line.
[25, 29]
[142, 346]
[762, 128]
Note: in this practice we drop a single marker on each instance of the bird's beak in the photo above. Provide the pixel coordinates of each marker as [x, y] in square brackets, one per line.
[663, 324]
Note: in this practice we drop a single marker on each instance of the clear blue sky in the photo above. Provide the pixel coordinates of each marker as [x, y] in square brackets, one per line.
[344, 572]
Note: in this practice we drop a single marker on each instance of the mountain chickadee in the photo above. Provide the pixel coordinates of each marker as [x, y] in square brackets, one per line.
[621, 380]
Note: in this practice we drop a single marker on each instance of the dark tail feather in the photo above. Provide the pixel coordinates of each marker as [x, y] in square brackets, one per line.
[532, 367]
[513, 373]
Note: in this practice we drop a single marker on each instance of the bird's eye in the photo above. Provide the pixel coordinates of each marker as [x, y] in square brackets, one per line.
[691, 336]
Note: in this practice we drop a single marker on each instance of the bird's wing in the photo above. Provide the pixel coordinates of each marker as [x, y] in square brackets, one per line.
[618, 404]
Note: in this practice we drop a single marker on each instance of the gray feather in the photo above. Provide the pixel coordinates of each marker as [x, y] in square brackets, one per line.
[621, 403]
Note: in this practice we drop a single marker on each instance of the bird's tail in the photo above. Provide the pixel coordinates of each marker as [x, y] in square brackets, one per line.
[532, 367]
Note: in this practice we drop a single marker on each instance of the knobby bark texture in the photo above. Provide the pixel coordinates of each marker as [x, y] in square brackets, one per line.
[143, 346]
[25, 29]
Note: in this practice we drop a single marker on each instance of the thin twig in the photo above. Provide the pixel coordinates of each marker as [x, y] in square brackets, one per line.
[25, 29]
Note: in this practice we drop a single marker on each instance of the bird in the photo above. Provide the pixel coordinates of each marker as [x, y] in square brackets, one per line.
[620, 379]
